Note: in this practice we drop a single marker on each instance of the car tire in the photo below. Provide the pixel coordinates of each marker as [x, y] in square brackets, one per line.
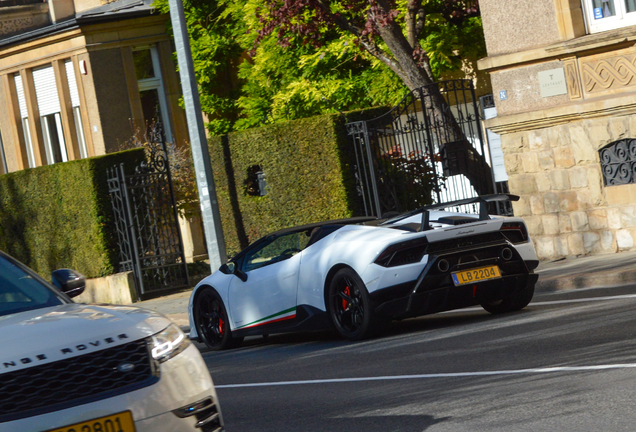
[349, 306]
[513, 303]
[211, 320]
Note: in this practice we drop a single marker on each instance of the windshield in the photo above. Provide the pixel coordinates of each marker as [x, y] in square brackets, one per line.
[20, 291]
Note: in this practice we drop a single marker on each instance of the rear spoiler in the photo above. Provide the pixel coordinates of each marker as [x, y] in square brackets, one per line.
[481, 200]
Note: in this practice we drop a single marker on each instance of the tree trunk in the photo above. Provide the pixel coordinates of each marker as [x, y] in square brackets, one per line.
[452, 141]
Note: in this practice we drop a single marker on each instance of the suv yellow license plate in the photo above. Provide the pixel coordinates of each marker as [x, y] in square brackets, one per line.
[120, 422]
[475, 275]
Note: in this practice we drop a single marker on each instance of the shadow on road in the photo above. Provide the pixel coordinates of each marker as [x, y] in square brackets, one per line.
[394, 423]
[330, 338]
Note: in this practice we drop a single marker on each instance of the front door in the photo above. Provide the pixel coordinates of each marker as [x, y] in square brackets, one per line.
[269, 294]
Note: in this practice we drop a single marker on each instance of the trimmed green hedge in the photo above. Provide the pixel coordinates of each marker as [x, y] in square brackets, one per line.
[60, 216]
[308, 170]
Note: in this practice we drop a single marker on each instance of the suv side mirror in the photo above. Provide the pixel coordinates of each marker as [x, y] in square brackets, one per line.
[69, 281]
[231, 268]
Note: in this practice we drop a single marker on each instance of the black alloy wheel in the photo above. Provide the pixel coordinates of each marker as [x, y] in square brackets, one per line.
[211, 320]
[515, 302]
[349, 305]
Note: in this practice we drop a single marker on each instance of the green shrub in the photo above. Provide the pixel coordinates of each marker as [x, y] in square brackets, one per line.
[60, 216]
[308, 170]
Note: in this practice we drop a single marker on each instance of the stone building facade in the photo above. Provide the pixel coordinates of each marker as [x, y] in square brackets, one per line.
[564, 82]
[79, 78]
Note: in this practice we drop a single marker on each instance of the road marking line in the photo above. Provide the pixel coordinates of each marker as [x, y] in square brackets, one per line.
[546, 303]
[583, 300]
[439, 375]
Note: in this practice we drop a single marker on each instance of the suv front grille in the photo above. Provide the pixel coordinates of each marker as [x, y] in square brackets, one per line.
[75, 381]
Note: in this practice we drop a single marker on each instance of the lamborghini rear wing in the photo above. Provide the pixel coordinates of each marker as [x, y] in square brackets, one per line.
[481, 200]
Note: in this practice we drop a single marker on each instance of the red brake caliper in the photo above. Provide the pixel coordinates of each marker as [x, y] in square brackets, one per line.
[345, 303]
[221, 326]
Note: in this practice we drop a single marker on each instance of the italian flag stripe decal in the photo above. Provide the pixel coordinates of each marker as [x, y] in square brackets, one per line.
[279, 316]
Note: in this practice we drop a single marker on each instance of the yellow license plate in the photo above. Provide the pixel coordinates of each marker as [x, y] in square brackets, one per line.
[475, 275]
[120, 422]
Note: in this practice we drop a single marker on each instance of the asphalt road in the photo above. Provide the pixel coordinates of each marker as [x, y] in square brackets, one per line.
[565, 363]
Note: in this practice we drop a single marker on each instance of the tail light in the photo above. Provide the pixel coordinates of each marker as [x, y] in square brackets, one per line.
[408, 252]
[515, 232]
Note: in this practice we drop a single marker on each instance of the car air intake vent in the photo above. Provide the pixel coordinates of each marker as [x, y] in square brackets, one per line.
[465, 242]
[457, 220]
[75, 381]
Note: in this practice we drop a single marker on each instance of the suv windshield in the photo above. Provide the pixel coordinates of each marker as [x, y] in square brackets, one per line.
[20, 291]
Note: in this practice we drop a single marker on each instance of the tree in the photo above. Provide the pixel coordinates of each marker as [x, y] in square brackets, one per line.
[214, 34]
[247, 77]
[393, 32]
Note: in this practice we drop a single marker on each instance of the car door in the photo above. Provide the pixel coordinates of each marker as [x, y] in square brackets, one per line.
[269, 293]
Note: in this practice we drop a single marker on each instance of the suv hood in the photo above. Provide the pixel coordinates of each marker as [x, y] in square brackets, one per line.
[55, 333]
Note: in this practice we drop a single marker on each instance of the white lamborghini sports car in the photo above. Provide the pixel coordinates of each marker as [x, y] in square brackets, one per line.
[357, 274]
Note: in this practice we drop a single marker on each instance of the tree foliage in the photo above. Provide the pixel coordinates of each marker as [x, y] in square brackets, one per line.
[261, 61]
[395, 32]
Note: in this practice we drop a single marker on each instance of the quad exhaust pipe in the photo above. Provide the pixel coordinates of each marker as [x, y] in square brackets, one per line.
[443, 265]
[506, 254]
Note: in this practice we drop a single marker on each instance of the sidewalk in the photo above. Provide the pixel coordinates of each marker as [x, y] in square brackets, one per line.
[586, 272]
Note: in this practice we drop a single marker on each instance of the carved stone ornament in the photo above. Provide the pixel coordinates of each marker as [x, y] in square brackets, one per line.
[572, 78]
[611, 73]
[15, 25]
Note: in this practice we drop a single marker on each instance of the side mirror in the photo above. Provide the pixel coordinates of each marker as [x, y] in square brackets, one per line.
[69, 281]
[230, 268]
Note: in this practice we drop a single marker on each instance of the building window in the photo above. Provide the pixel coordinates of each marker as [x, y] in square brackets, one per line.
[602, 15]
[24, 115]
[77, 113]
[151, 92]
[49, 106]
[618, 162]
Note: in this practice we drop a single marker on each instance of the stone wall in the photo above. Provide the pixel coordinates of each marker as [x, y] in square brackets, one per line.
[118, 288]
[557, 172]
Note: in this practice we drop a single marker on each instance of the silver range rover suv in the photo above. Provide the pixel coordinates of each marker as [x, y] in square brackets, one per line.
[68, 367]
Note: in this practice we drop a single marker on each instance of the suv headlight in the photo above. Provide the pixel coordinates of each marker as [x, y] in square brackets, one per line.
[168, 343]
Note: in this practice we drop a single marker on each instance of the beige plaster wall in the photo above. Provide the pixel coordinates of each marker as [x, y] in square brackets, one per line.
[92, 109]
[5, 131]
[83, 5]
[110, 89]
[557, 173]
[523, 89]
[516, 25]
[193, 238]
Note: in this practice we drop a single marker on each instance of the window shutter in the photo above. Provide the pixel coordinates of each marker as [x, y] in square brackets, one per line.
[72, 83]
[46, 91]
[21, 100]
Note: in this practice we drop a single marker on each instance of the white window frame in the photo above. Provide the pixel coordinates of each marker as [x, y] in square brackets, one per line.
[48, 101]
[621, 19]
[156, 83]
[75, 104]
[28, 143]
[47, 138]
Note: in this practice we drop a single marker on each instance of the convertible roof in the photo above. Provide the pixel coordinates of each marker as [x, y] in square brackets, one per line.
[348, 221]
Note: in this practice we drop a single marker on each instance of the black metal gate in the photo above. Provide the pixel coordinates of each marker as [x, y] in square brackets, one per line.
[428, 149]
[147, 224]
